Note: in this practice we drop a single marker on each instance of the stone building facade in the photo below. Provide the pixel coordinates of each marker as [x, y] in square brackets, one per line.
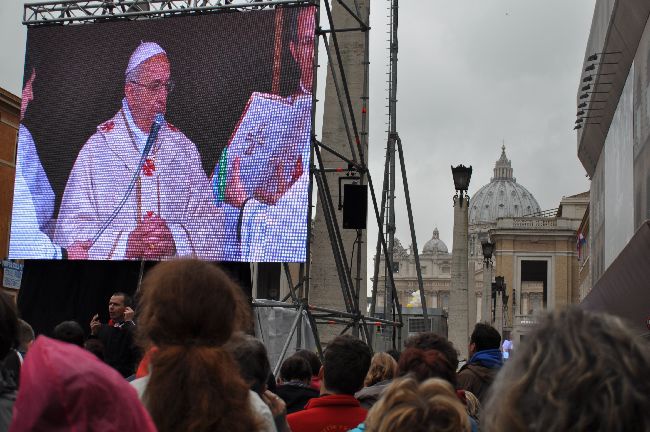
[502, 197]
[538, 259]
[435, 262]
[9, 124]
[535, 253]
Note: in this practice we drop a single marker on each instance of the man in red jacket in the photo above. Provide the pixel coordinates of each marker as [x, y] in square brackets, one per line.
[345, 366]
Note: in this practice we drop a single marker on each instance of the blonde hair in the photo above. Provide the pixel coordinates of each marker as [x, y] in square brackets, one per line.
[472, 404]
[410, 406]
[576, 371]
[382, 367]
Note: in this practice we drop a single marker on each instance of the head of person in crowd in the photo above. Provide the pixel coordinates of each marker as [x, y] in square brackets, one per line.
[147, 84]
[312, 359]
[189, 309]
[295, 383]
[70, 332]
[424, 364]
[314, 364]
[485, 361]
[8, 325]
[118, 305]
[383, 367]
[409, 405]
[64, 387]
[96, 347]
[484, 338]
[576, 370]
[25, 336]
[432, 341]
[295, 369]
[345, 365]
[253, 361]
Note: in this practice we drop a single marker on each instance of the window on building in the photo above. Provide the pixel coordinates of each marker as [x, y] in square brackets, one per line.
[534, 286]
[445, 301]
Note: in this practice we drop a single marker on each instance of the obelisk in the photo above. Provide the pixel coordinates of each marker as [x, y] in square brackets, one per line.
[458, 322]
[325, 288]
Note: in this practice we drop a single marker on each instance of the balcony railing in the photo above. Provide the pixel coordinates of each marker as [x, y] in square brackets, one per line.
[525, 321]
[534, 223]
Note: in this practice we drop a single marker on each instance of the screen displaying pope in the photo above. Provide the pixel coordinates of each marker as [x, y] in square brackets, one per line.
[164, 208]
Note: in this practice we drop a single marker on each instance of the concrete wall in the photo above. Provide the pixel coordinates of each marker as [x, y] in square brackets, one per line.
[620, 191]
[617, 155]
[641, 146]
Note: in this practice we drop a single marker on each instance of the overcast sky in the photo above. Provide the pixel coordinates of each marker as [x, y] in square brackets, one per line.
[472, 74]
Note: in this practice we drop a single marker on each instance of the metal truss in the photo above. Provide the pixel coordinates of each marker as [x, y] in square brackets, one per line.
[74, 11]
[357, 136]
[387, 216]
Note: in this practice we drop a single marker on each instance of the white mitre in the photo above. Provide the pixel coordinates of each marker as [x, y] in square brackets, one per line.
[144, 51]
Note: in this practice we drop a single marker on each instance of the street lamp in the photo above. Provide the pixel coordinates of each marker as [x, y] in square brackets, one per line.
[499, 286]
[462, 176]
[488, 249]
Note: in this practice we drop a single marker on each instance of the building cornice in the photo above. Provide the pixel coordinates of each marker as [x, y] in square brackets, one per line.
[9, 102]
[616, 27]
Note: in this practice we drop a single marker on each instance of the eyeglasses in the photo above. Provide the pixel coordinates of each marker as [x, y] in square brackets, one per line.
[156, 86]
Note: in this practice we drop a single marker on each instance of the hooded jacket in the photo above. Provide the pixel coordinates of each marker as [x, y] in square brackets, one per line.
[296, 395]
[368, 396]
[66, 388]
[479, 373]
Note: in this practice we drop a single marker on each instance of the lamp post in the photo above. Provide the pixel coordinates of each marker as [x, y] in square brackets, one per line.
[488, 249]
[462, 176]
[458, 296]
[499, 289]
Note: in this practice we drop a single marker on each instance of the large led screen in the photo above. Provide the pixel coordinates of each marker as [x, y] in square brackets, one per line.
[178, 136]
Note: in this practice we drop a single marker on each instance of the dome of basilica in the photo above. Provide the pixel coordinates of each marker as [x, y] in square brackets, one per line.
[502, 197]
[435, 245]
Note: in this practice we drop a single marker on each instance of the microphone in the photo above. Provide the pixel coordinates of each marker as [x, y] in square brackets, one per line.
[158, 121]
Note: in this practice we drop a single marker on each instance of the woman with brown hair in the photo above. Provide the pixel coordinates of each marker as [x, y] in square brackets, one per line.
[423, 364]
[576, 371]
[188, 310]
[383, 368]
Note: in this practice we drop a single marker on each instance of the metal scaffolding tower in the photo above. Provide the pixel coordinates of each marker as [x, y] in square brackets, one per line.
[392, 305]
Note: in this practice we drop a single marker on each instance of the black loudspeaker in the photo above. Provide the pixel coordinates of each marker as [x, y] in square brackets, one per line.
[355, 206]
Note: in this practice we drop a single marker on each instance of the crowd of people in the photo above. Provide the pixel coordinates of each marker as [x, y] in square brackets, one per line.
[187, 362]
